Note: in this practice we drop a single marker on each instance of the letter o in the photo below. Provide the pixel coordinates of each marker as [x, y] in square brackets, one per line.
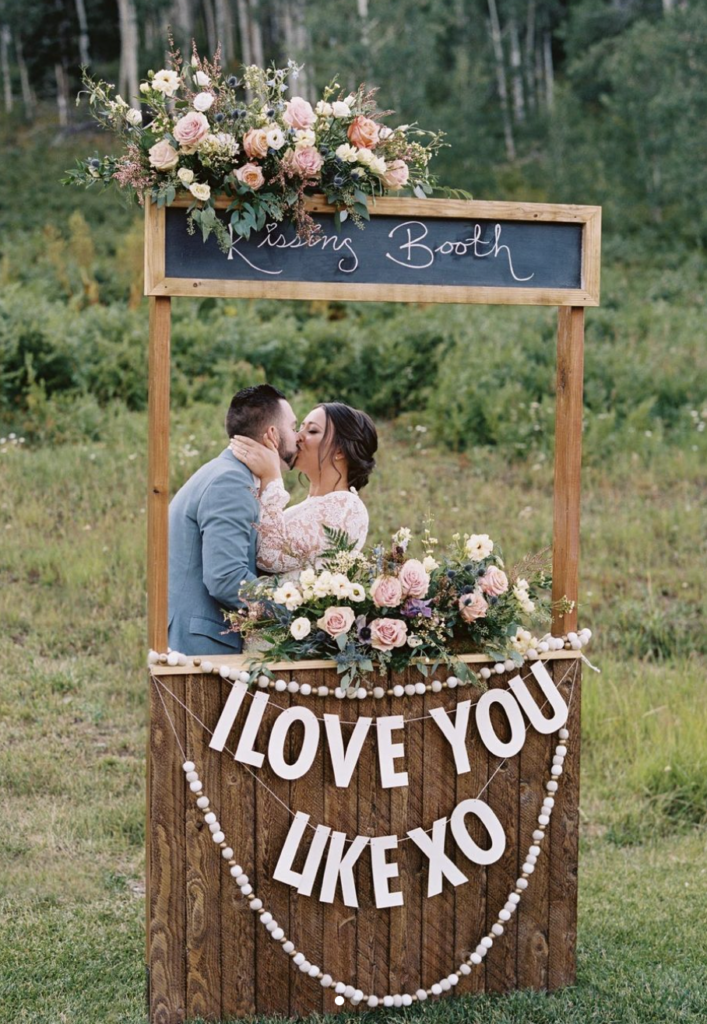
[278, 736]
[515, 719]
[493, 826]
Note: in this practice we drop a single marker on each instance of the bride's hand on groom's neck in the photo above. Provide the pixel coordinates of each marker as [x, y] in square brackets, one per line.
[262, 459]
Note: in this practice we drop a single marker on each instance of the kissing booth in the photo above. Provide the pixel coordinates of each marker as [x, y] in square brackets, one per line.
[416, 841]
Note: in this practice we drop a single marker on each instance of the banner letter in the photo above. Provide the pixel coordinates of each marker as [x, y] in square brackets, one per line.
[455, 733]
[344, 761]
[382, 870]
[440, 864]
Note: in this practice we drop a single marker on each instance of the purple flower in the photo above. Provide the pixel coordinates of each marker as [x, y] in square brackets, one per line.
[364, 631]
[414, 607]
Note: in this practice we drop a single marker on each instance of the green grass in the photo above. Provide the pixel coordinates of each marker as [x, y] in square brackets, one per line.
[73, 715]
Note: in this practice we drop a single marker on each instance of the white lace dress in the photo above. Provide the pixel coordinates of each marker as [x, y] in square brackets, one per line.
[292, 539]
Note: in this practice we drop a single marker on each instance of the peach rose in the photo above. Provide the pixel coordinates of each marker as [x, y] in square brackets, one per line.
[190, 130]
[363, 132]
[298, 113]
[388, 633]
[472, 607]
[163, 156]
[396, 175]
[307, 162]
[251, 175]
[255, 142]
[336, 621]
[494, 582]
[387, 592]
[413, 578]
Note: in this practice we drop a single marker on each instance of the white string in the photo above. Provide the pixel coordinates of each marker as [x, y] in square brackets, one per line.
[282, 802]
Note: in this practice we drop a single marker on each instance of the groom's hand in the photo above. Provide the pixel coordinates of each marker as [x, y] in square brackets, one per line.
[262, 459]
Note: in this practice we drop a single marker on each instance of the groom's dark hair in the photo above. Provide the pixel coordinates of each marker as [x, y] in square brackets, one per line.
[253, 410]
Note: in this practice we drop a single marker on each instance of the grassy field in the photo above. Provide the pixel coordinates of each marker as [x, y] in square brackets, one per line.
[73, 708]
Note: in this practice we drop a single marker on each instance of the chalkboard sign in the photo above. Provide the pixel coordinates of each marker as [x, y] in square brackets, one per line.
[410, 250]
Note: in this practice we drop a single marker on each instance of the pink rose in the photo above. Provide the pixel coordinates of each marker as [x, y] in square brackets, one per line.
[387, 592]
[472, 607]
[306, 162]
[413, 578]
[251, 175]
[363, 132]
[255, 142]
[396, 175]
[163, 156]
[388, 633]
[494, 582]
[298, 113]
[189, 130]
[336, 621]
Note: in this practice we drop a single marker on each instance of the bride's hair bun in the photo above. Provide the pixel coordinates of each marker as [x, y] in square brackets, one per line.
[353, 433]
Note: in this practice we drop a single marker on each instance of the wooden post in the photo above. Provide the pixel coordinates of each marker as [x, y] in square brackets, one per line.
[568, 461]
[157, 523]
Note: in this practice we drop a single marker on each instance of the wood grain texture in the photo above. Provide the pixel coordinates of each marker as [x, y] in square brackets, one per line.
[154, 246]
[564, 842]
[502, 796]
[533, 914]
[204, 871]
[167, 865]
[568, 464]
[158, 473]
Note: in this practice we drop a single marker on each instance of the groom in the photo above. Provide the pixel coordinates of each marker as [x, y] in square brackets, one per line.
[212, 519]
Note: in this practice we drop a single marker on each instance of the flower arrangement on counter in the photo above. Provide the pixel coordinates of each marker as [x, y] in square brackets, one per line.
[380, 610]
[210, 134]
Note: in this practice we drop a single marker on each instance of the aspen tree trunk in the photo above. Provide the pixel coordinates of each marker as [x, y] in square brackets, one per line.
[244, 31]
[182, 18]
[549, 72]
[224, 29]
[495, 32]
[62, 99]
[298, 45]
[27, 94]
[83, 32]
[516, 74]
[529, 56]
[128, 77]
[5, 40]
[210, 26]
[256, 33]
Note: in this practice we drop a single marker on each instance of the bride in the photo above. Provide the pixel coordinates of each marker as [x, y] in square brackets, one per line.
[336, 445]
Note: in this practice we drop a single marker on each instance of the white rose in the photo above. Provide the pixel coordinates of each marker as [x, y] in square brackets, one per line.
[478, 546]
[166, 82]
[347, 153]
[185, 175]
[301, 628]
[304, 137]
[429, 563]
[323, 109]
[134, 117]
[307, 577]
[201, 192]
[203, 101]
[275, 138]
[378, 165]
[202, 79]
[340, 109]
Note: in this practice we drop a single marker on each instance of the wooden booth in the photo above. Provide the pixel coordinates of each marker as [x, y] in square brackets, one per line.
[208, 953]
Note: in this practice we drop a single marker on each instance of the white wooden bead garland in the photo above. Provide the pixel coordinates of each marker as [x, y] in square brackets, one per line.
[349, 992]
[572, 641]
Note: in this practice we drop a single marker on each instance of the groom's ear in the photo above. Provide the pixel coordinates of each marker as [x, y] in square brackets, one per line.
[272, 434]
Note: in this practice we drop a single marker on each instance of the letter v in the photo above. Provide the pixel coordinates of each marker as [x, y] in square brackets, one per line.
[344, 761]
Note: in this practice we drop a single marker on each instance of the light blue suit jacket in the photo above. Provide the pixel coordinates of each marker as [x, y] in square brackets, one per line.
[212, 548]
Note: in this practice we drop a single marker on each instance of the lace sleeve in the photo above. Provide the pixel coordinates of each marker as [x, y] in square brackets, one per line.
[294, 538]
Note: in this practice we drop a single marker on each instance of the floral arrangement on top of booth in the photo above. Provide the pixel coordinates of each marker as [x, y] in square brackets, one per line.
[380, 610]
[211, 134]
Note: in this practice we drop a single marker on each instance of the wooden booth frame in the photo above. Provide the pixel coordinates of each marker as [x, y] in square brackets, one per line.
[569, 403]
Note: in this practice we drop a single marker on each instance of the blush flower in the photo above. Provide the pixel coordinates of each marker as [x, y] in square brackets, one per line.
[163, 156]
[413, 578]
[306, 162]
[387, 592]
[396, 175]
[298, 113]
[255, 143]
[472, 607]
[336, 621]
[363, 132]
[387, 634]
[189, 130]
[251, 175]
[494, 582]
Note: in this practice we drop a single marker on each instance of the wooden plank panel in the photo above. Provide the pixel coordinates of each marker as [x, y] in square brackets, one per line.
[564, 843]
[568, 464]
[238, 922]
[167, 863]
[437, 802]
[204, 872]
[470, 910]
[407, 812]
[307, 912]
[341, 814]
[532, 914]
[158, 472]
[374, 802]
[272, 822]
[502, 796]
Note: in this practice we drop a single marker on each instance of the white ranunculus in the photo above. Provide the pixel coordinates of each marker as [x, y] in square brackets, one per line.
[200, 192]
[365, 157]
[340, 109]
[202, 79]
[203, 102]
[275, 138]
[301, 628]
[347, 153]
[323, 109]
[134, 117]
[358, 592]
[378, 166]
[166, 82]
[145, 87]
[185, 175]
[340, 585]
